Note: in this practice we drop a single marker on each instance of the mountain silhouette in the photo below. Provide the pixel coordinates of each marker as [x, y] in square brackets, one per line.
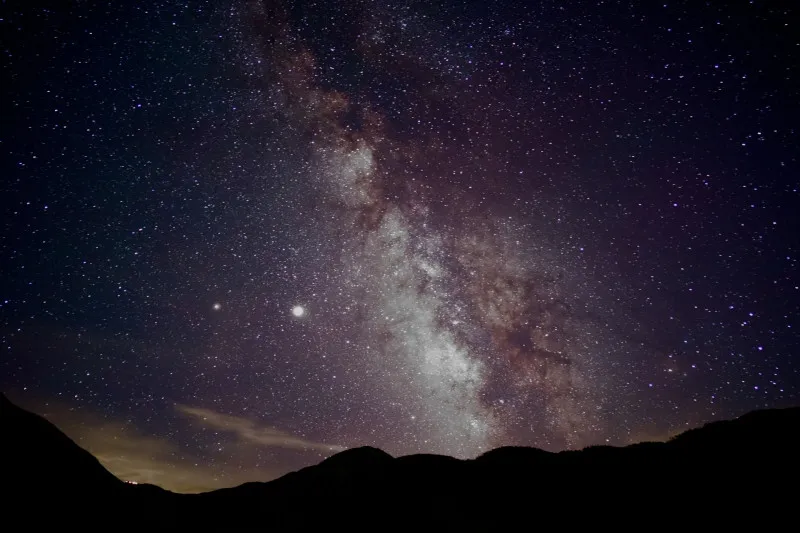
[37, 454]
[738, 472]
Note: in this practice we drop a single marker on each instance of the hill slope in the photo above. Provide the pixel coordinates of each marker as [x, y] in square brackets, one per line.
[35, 452]
[725, 472]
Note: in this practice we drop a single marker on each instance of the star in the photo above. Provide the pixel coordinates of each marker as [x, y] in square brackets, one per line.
[298, 311]
[217, 306]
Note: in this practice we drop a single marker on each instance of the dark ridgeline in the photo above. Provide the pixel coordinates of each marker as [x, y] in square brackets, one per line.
[40, 462]
[736, 473]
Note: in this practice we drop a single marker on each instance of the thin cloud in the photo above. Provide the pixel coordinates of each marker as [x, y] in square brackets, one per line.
[251, 431]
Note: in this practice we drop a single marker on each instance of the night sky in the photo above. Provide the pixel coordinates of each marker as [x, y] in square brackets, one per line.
[240, 236]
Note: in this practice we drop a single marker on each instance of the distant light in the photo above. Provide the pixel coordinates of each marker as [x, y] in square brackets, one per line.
[217, 306]
[298, 311]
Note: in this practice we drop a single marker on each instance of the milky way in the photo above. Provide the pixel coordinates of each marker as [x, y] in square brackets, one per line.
[247, 235]
[470, 329]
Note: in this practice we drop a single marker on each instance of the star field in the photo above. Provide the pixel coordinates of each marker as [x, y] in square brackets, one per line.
[241, 236]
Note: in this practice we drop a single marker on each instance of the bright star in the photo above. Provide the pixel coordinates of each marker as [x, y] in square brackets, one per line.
[298, 311]
[217, 306]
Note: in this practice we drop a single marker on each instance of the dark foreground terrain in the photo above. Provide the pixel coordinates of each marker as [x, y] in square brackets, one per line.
[734, 473]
